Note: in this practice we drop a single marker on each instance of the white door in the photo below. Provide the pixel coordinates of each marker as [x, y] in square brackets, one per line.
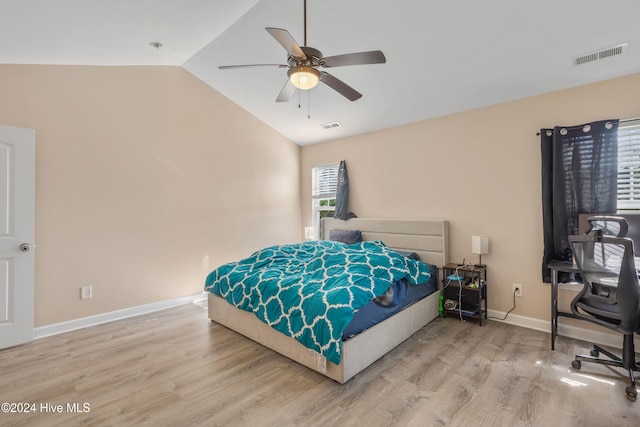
[17, 217]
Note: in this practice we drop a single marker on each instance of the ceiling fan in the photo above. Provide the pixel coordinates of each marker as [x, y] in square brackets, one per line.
[303, 63]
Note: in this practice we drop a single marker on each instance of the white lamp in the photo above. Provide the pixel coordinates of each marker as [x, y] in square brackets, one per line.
[309, 233]
[304, 77]
[480, 246]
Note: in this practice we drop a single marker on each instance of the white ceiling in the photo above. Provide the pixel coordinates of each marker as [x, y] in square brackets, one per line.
[443, 56]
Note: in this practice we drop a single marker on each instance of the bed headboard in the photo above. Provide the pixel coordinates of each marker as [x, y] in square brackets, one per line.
[428, 238]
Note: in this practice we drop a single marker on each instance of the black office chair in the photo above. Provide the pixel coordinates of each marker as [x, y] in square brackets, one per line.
[610, 297]
[609, 224]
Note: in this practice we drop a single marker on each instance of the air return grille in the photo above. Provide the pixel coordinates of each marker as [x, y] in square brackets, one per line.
[331, 125]
[601, 54]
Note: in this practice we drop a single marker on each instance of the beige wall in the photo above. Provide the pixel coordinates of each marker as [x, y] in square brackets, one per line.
[146, 179]
[478, 169]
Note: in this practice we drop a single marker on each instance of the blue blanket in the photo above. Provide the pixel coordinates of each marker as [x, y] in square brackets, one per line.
[310, 291]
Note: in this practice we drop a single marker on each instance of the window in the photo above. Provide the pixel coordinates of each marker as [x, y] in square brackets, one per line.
[629, 165]
[324, 184]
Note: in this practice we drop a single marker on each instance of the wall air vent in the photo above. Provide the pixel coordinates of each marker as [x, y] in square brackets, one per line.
[331, 125]
[601, 54]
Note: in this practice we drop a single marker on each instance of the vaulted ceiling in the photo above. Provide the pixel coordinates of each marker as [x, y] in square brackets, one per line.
[442, 56]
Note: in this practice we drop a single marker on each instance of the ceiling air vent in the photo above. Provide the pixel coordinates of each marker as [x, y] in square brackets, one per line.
[601, 54]
[331, 125]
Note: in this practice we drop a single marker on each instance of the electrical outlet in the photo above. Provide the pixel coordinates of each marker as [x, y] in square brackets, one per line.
[86, 292]
[517, 289]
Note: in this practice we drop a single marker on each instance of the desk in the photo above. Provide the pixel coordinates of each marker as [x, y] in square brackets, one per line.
[557, 267]
[565, 267]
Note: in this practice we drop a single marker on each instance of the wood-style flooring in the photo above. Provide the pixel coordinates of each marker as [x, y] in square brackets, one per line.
[176, 368]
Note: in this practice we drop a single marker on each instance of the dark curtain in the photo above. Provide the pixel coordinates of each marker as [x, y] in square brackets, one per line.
[579, 175]
[342, 194]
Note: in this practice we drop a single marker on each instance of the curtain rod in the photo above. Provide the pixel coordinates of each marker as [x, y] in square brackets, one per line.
[619, 121]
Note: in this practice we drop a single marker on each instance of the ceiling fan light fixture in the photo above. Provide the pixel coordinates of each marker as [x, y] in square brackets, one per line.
[304, 77]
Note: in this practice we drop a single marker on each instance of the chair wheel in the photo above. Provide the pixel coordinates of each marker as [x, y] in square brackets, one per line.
[631, 392]
[595, 353]
[576, 364]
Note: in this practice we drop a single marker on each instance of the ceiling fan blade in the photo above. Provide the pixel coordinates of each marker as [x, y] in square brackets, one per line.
[339, 86]
[228, 67]
[284, 38]
[359, 58]
[287, 90]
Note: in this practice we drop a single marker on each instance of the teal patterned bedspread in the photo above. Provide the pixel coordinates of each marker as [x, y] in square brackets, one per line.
[310, 291]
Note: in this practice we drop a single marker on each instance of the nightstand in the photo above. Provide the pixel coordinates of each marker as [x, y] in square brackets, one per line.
[465, 291]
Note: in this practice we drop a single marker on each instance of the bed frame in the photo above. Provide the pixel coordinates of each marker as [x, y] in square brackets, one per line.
[428, 238]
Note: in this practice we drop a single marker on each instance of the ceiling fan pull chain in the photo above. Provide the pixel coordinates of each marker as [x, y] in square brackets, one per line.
[308, 104]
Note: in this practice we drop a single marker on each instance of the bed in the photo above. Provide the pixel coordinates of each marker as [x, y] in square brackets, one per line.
[426, 238]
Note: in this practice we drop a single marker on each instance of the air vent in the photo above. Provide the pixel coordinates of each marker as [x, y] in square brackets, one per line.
[331, 125]
[602, 54]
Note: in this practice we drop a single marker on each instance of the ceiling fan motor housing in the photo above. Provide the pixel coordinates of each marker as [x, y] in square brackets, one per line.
[303, 73]
[314, 58]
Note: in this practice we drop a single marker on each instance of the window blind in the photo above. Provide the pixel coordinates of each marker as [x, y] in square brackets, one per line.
[325, 181]
[629, 165]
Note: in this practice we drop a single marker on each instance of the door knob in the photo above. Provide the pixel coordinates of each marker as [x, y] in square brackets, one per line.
[25, 247]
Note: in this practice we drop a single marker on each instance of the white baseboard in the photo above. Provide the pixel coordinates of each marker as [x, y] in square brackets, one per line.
[85, 322]
[603, 337]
